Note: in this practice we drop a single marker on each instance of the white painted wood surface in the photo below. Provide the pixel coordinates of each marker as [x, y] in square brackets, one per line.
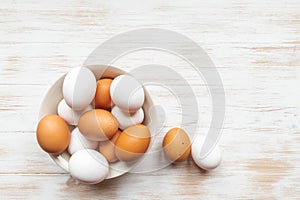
[255, 46]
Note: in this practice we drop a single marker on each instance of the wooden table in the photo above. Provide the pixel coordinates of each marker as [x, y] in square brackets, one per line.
[255, 47]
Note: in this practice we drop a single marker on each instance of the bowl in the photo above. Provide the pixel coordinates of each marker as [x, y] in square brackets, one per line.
[54, 96]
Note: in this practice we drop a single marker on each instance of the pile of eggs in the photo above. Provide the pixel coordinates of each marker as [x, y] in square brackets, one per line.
[100, 122]
[97, 122]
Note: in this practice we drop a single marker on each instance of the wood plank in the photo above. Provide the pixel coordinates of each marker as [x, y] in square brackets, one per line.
[249, 171]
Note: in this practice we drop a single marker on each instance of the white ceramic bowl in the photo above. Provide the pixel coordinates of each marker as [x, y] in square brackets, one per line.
[54, 96]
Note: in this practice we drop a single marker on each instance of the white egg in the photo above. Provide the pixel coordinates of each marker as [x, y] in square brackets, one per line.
[68, 114]
[126, 119]
[88, 166]
[127, 93]
[79, 88]
[211, 161]
[78, 142]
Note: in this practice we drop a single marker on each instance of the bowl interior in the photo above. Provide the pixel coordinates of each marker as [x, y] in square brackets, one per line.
[54, 96]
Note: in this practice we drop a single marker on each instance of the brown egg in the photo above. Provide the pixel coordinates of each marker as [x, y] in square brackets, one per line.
[107, 148]
[132, 143]
[177, 145]
[98, 125]
[53, 134]
[102, 96]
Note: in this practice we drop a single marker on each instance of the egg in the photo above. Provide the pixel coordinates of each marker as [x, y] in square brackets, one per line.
[127, 93]
[126, 119]
[79, 88]
[132, 143]
[88, 166]
[102, 96]
[68, 114]
[78, 142]
[211, 160]
[177, 145]
[98, 125]
[107, 148]
[53, 134]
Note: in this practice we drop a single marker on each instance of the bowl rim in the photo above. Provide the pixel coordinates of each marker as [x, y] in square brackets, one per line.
[62, 159]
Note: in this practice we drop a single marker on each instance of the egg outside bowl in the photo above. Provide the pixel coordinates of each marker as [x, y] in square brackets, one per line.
[54, 96]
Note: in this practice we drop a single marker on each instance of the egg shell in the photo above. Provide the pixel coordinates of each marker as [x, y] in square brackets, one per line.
[88, 166]
[177, 145]
[102, 96]
[98, 125]
[107, 148]
[133, 142]
[79, 88]
[127, 93]
[53, 134]
[210, 161]
[78, 142]
[126, 119]
[68, 114]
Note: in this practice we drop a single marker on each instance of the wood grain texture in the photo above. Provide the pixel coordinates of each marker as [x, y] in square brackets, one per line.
[254, 45]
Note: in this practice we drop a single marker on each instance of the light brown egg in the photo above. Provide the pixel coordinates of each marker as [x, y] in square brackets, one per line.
[177, 145]
[53, 134]
[98, 125]
[133, 142]
[102, 96]
[107, 148]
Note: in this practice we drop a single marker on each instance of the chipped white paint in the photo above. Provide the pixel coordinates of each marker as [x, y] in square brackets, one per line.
[255, 46]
